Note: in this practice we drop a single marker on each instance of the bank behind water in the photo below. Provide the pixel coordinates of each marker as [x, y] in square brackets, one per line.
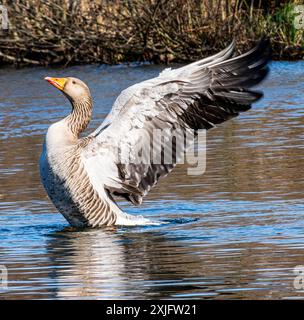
[64, 32]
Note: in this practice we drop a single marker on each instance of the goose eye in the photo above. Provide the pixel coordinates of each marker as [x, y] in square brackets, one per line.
[73, 82]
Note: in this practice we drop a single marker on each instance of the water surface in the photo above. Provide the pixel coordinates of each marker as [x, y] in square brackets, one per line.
[236, 232]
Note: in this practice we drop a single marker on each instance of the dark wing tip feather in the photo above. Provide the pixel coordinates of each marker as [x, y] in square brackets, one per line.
[240, 73]
[229, 91]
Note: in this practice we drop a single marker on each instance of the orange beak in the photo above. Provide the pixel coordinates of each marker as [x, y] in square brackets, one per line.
[59, 83]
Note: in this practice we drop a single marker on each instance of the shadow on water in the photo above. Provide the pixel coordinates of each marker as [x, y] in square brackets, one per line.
[235, 232]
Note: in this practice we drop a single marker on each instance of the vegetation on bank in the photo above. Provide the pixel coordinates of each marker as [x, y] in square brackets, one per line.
[64, 32]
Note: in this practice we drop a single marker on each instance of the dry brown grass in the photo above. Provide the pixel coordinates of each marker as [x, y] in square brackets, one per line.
[64, 32]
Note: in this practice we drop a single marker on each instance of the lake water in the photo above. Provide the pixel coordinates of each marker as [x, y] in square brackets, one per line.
[236, 232]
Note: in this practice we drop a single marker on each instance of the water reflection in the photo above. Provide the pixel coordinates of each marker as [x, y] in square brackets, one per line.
[107, 264]
[134, 264]
[96, 264]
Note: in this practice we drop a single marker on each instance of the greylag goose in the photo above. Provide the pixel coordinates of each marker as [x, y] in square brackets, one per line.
[81, 175]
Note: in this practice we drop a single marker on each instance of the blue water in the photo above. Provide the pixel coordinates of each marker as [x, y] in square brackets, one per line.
[235, 232]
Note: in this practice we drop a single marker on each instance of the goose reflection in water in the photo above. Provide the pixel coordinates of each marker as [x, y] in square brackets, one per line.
[109, 264]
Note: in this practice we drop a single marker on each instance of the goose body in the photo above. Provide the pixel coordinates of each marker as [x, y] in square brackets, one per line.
[81, 175]
[68, 185]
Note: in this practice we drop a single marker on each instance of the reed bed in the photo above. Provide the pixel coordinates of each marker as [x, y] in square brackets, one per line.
[65, 32]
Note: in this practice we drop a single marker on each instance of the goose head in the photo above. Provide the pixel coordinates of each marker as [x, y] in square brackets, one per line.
[73, 88]
[79, 95]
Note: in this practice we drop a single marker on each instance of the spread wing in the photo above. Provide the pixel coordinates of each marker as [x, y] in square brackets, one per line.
[197, 96]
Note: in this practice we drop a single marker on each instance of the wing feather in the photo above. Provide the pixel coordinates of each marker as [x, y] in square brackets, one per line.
[197, 96]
